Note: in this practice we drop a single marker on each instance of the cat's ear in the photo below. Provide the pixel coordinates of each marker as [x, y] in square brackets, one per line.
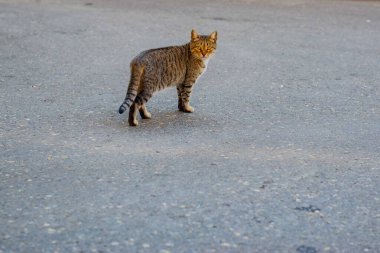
[213, 36]
[194, 35]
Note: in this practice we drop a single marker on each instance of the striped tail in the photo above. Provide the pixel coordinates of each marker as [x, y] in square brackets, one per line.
[133, 87]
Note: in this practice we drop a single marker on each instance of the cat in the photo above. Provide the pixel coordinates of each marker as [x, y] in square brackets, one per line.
[156, 69]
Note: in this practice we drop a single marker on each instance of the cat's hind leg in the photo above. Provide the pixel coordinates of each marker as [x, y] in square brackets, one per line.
[132, 119]
[144, 112]
[140, 101]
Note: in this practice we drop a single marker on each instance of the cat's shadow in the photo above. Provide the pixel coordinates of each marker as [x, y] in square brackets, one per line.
[169, 119]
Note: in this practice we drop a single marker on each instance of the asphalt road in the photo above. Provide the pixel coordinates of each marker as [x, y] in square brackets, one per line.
[281, 154]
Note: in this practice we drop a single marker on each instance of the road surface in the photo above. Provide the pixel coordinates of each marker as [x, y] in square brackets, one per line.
[281, 155]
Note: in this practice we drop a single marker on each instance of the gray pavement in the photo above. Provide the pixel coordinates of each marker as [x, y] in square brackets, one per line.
[281, 154]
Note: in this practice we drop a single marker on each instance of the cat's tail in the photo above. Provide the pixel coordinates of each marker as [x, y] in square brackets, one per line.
[134, 83]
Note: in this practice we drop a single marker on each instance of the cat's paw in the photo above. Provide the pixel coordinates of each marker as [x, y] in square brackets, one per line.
[146, 115]
[188, 109]
[133, 122]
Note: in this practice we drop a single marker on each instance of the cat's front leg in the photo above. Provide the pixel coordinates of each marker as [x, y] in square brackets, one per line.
[180, 103]
[185, 95]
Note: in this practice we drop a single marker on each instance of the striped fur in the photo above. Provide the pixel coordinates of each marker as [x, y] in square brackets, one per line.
[156, 69]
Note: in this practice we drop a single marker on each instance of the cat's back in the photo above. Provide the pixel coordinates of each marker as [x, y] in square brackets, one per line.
[164, 55]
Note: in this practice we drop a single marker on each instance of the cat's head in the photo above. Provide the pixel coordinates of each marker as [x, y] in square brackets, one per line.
[203, 46]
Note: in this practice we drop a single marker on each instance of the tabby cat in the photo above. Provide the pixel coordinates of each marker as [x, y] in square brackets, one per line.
[156, 69]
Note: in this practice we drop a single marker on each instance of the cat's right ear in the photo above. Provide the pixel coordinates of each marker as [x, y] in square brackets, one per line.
[194, 35]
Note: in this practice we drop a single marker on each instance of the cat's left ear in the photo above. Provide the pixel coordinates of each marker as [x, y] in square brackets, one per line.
[213, 36]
